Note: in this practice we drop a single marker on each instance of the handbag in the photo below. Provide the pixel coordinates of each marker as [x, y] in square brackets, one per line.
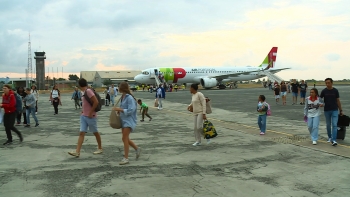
[209, 130]
[114, 118]
[156, 102]
[208, 105]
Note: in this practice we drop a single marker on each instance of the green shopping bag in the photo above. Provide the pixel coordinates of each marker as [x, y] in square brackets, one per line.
[209, 130]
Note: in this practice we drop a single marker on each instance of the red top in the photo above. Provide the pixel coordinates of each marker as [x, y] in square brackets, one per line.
[9, 102]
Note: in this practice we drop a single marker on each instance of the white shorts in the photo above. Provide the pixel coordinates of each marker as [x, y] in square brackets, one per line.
[277, 96]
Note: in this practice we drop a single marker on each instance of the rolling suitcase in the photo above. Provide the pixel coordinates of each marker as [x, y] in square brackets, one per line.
[341, 132]
[343, 120]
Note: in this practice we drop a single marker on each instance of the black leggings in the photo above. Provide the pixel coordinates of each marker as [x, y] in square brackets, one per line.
[9, 121]
[55, 105]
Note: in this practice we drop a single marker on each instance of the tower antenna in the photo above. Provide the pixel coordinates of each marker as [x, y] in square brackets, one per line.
[30, 69]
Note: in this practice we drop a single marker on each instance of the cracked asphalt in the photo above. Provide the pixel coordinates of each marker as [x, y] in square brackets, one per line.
[239, 162]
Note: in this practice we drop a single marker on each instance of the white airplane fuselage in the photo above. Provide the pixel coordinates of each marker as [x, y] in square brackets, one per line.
[194, 75]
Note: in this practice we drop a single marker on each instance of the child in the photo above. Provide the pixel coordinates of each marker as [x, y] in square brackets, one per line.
[262, 112]
[277, 93]
[144, 109]
[312, 113]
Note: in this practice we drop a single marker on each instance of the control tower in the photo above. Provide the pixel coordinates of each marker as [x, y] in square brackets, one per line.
[40, 70]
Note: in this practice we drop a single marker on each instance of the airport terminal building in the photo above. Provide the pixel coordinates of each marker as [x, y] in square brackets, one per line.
[97, 78]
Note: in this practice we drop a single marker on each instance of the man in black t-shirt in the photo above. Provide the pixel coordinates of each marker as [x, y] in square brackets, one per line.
[303, 89]
[331, 107]
[295, 91]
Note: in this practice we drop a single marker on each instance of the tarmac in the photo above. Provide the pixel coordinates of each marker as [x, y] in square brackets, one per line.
[239, 162]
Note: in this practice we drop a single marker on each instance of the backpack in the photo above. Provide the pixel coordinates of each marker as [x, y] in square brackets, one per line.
[268, 112]
[98, 97]
[19, 106]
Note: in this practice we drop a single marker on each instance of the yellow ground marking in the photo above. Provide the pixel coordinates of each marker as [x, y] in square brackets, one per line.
[252, 127]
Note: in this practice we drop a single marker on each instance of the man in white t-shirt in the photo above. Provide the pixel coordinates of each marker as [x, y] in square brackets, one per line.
[113, 92]
[88, 119]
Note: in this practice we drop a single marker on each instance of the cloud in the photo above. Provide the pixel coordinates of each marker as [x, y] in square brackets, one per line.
[333, 57]
[82, 35]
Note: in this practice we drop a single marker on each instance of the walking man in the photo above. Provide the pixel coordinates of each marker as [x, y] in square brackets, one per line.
[88, 119]
[295, 91]
[113, 92]
[9, 105]
[303, 90]
[332, 107]
[77, 98]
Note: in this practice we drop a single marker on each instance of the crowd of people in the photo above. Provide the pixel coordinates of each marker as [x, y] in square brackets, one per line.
[329, 99]
[127, 109]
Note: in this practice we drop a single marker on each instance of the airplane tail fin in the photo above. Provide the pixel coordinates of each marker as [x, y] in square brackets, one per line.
[270, 59]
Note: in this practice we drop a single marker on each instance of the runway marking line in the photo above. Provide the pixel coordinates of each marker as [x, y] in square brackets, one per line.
[248, 126]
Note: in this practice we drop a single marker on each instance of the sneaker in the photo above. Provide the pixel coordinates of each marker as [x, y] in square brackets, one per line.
[37, 124]
[329, 140]
[314, 142]
[7, 142]
[124, 161]
[98, 151]
[262, 133]
[208, 141]
[18, 123]
[142, 120]
[150, 119]
[36, 113]
[196, 144]
[301, 103]
[138, 153]
[334, 143]
[74, 154]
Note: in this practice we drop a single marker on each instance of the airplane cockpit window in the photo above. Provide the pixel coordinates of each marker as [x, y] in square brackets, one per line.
[145, 73]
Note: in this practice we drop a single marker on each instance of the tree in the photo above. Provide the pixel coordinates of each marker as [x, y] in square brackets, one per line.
[61, 79]
[73, 77]
[107, 82]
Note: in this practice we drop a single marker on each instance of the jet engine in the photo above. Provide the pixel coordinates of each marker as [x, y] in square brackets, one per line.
[208, 82]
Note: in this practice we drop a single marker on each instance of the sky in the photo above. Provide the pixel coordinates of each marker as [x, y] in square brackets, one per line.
[312, 36]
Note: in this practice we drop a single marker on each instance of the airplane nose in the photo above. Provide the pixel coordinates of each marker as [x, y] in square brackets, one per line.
[137, 78]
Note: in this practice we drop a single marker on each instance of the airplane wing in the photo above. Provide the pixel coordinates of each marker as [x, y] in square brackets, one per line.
[277, 70]
[234, 74]
[224, 76]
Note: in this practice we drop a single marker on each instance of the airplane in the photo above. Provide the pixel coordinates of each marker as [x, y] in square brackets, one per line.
[210, 77]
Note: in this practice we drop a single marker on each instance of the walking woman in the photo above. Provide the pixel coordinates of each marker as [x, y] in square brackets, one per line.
[55, 98]
[35, 92]
[283, 88]
[127, 111]
[23, 94]
[9, 105]
[198, 108]
[312, 113]
[160, 94]
[30, 107]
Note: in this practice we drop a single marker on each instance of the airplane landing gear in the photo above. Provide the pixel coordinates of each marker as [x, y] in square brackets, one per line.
[221, 86]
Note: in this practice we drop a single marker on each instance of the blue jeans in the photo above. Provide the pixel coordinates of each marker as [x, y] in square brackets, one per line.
[112, 99]
[262, 123]
[313, 124]
[332, 121]
[31, 111]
